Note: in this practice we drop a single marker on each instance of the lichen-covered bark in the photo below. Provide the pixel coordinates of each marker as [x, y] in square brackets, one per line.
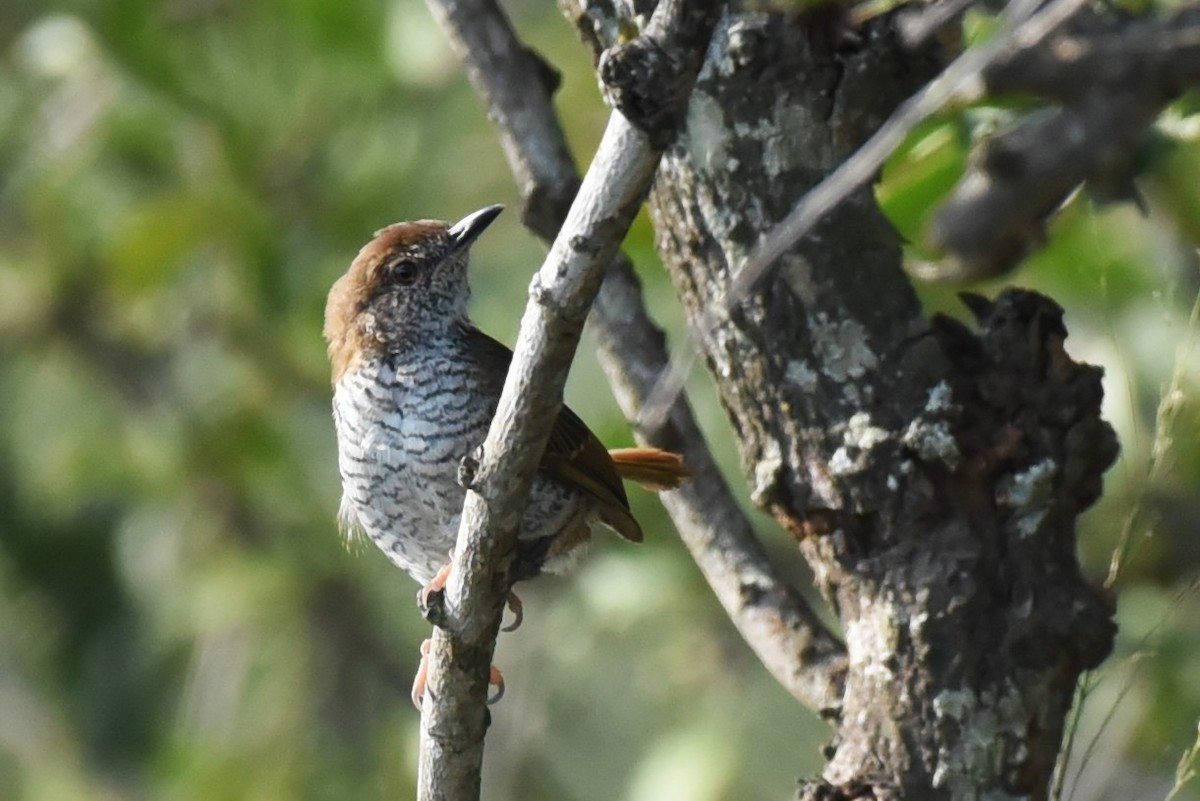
[931, 474]
[809, 363]
[966, 618]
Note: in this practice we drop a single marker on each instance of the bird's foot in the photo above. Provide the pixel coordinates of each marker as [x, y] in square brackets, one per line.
[495, 679]
[430, 600]
[430, 597]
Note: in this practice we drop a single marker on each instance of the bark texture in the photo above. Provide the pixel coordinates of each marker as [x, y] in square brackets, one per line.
[930, 473]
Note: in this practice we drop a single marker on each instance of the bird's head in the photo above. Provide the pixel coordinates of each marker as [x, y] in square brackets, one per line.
[407, 284]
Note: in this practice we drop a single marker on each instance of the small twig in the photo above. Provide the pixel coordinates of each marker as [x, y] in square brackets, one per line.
[1111, 86]
[1143, 652]
[1160, 56]
[918, 23]
[1170, 405]
[1185, 770]
[454, 717]
[1083, 689]
[999, 211]
[777, 623]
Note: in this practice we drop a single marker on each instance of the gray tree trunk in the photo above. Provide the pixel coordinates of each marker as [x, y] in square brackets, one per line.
[931, 475]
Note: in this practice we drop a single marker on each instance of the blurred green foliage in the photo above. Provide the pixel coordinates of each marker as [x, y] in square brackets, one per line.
[180, 183]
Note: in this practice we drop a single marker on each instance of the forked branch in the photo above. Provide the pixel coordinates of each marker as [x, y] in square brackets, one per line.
[777, 623]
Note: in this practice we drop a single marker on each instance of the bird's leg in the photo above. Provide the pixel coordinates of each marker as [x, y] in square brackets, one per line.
[429, 600]
[435, 586]
[495, 678]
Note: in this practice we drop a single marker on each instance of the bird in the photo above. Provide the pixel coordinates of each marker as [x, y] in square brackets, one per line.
[415, 387]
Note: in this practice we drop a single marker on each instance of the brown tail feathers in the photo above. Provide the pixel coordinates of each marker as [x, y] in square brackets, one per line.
[653, 469]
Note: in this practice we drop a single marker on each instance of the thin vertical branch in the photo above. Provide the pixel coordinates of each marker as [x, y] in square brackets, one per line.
[454, 717]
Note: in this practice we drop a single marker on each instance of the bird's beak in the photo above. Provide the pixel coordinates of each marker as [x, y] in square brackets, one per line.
[465, 231]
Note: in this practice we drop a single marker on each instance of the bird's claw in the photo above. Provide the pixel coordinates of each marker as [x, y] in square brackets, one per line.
[517, 608]
[431, 597]
[421, 680]
[422, 677]
[495, 679]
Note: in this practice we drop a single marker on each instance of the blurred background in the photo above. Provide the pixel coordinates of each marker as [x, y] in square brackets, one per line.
[180, 183]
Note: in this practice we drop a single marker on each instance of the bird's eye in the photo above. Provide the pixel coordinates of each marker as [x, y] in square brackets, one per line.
[404, 272]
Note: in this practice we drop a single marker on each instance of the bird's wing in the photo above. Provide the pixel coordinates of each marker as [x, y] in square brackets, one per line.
[573, 455]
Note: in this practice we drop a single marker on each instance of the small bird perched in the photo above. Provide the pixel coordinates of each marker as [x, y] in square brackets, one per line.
[415, 388]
